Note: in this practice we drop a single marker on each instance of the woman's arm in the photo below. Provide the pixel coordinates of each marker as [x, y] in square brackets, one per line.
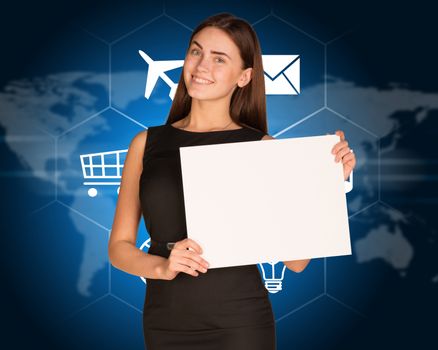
[122, 252]
[297, 265]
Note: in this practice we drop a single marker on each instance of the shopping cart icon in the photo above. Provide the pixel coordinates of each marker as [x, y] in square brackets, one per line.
[102, 169]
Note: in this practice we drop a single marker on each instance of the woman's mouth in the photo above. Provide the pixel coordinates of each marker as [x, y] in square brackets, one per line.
[197, 80]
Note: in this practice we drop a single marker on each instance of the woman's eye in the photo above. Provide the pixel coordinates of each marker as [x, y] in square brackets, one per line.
[220, 60]
[195, 51]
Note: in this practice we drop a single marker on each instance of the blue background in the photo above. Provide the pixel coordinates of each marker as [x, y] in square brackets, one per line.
[72, 83]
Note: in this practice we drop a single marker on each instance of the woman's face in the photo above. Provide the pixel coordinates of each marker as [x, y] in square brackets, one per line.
[213, 66]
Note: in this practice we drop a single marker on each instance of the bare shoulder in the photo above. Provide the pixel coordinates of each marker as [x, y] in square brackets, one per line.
[140, 137]
[138, 142]
[268, 137]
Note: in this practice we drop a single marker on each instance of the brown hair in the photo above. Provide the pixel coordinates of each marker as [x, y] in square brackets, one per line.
[248, 104]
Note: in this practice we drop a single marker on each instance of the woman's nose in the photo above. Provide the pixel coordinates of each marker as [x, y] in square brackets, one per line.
[203, 65]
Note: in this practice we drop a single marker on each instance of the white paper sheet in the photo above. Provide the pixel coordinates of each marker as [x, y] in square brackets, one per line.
[265, 201]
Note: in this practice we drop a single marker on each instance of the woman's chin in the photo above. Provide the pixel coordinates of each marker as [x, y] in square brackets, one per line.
[199, 95]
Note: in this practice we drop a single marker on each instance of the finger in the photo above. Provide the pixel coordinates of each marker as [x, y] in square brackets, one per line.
[339, 146]
[188, 270]
[341, 134]
[347, 158]
[188, 243]
[188, 254]
[342, 153]
[195, 246]
[192, 264]
[176, 266]
[350, 163]
[194, 256]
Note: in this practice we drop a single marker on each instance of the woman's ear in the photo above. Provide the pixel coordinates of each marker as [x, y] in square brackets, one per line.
[245, 77]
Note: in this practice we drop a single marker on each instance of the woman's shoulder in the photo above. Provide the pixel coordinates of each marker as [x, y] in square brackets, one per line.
[145, 139]
[138, 142]
[257, 131]
[140, 139]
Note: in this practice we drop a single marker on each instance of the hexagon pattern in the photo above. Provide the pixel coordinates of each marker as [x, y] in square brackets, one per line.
[128, 112]
[324, 106]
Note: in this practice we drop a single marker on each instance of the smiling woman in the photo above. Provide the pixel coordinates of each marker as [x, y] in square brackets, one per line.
[220, 98]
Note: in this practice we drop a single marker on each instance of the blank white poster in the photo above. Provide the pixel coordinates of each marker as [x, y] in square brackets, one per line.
[265, 201]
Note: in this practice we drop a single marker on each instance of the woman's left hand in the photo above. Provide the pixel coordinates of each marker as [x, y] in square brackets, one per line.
[344, 153]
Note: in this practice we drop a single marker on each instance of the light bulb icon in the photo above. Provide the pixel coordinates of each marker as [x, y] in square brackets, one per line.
[273, 276]
[145, 246]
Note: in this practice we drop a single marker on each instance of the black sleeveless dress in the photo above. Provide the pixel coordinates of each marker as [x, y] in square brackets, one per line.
[225, 308]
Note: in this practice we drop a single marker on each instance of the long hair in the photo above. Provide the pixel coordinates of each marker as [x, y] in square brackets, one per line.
[248, 104]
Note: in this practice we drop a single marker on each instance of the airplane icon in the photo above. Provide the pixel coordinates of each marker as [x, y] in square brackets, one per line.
[156, 70]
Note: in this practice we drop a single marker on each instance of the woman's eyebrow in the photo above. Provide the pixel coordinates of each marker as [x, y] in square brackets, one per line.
[215, 52]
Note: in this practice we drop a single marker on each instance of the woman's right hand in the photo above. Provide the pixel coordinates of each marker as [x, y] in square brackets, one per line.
[181, 259]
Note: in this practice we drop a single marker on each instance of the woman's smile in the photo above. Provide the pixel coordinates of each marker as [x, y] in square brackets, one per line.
[201, 81]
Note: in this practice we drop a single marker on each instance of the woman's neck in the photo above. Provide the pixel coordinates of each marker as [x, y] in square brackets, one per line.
[206, 115]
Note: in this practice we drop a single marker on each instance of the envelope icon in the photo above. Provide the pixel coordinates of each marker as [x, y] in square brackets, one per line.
[282, 74]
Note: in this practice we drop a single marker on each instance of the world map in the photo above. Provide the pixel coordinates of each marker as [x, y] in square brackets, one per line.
[43, 108]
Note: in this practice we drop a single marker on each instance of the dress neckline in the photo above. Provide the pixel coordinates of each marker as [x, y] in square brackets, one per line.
[202, 132]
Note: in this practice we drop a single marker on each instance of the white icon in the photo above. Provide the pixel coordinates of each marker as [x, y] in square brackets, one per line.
[156, 70]
[282, 74]
[273, 277]
[102, 166]
[348, 185]
[146, 244]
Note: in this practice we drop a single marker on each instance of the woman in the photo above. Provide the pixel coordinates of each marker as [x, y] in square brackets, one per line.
[220, 98]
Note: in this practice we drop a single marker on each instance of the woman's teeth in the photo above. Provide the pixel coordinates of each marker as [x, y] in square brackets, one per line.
[202, 81]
